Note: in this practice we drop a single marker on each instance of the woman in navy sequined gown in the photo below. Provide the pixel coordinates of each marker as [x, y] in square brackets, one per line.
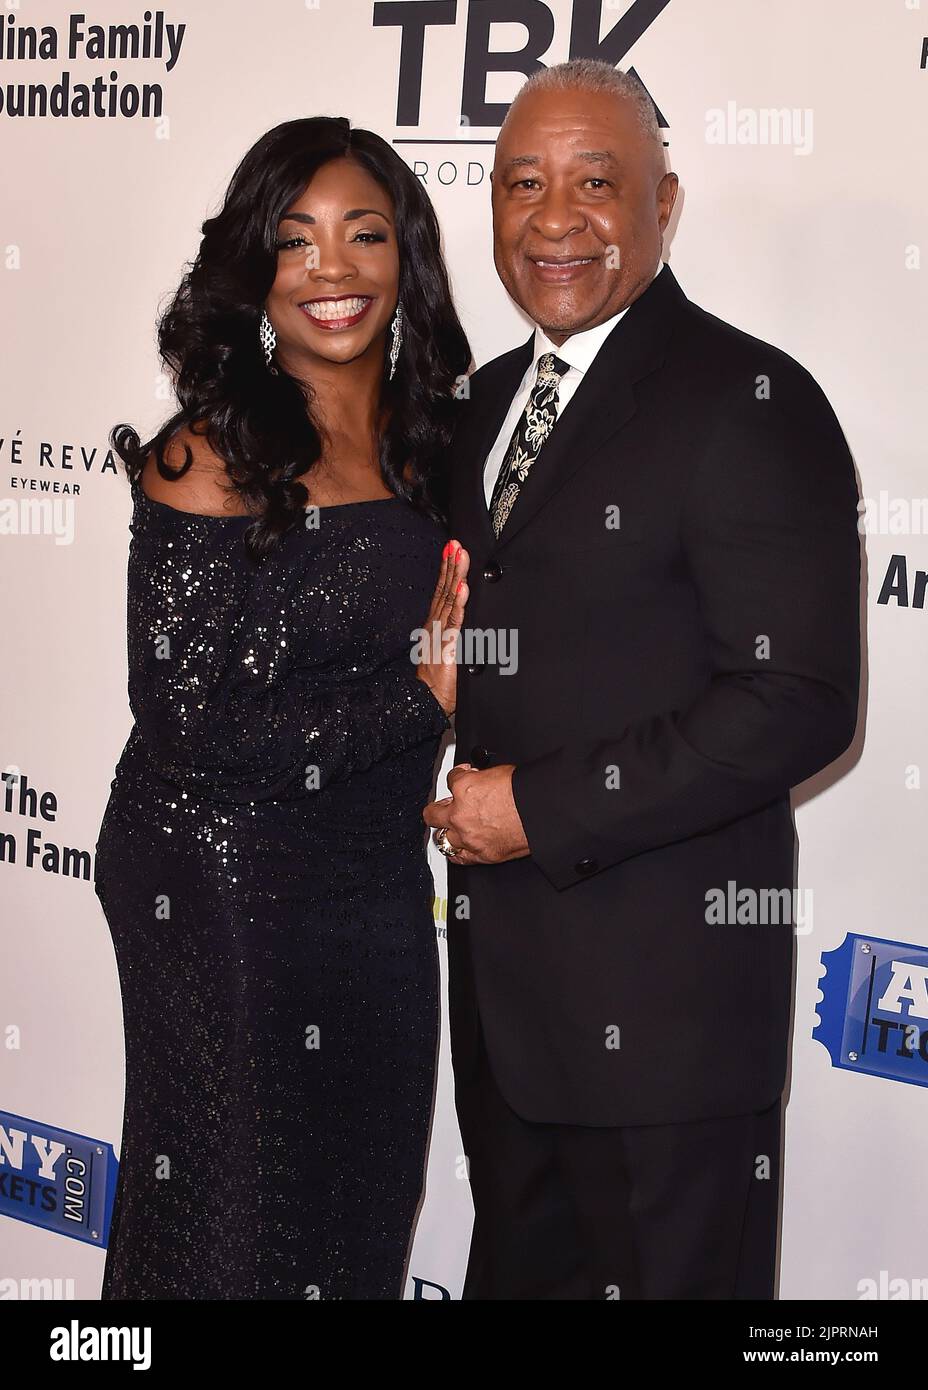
[261, 861]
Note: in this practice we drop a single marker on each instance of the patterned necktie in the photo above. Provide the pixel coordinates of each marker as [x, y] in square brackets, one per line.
[530, 434]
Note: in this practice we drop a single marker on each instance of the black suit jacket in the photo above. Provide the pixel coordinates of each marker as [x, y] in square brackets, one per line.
[676, 675]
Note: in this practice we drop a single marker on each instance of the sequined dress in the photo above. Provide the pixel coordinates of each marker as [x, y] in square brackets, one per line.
[261, 865]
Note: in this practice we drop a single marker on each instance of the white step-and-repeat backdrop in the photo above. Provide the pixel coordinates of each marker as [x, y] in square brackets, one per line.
[798, 130]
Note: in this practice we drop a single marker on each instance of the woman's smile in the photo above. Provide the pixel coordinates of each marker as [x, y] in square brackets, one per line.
[334, 312]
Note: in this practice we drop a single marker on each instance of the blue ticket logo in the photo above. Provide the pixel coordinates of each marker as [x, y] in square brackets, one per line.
[52, 1178]
[874, 1009]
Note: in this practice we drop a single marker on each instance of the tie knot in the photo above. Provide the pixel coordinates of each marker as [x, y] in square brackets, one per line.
[549, 365]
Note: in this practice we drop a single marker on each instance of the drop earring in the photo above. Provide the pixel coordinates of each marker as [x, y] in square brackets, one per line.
[268, 340]
[396, 329]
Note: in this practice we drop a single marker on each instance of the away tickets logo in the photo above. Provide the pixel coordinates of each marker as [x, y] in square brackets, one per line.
[50, 1177]
[874, 1009]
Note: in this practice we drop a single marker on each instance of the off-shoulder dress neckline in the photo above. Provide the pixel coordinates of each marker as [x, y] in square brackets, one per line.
[147, 501]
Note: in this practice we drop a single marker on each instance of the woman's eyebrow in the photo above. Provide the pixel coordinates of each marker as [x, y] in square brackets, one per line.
[351, 215]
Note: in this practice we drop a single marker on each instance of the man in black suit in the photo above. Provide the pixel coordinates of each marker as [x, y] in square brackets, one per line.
[662, 511]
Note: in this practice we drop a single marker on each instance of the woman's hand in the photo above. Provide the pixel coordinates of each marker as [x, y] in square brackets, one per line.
[443, 624]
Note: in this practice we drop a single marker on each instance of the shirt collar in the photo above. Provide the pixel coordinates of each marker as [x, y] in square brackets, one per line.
[579, 349]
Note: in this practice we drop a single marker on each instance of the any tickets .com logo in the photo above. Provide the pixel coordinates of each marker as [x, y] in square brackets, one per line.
[874, 1009]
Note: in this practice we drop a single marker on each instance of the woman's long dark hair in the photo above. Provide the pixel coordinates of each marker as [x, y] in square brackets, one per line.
[259, 423]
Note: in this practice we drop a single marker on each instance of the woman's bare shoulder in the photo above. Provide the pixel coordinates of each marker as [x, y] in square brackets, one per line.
[205, 488]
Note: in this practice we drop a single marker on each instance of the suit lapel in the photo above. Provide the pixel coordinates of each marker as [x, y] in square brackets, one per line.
[603, 402]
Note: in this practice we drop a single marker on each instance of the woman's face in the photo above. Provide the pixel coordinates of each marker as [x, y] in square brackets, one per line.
[337, 276]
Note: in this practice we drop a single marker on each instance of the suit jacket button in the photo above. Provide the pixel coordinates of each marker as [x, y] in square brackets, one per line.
[492, 572]
[585, 866]
[480, 757]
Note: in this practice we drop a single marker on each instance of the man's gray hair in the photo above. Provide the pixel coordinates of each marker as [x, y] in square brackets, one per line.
[593, 75]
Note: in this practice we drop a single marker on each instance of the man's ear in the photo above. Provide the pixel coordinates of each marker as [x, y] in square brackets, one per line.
[666, 197]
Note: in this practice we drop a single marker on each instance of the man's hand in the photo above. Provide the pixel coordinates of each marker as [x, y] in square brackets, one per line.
[480, 816]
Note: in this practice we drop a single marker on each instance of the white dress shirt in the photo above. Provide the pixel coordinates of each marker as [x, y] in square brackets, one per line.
[578, 351]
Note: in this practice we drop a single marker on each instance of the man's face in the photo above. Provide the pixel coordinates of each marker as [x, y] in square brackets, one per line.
[580, 203]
